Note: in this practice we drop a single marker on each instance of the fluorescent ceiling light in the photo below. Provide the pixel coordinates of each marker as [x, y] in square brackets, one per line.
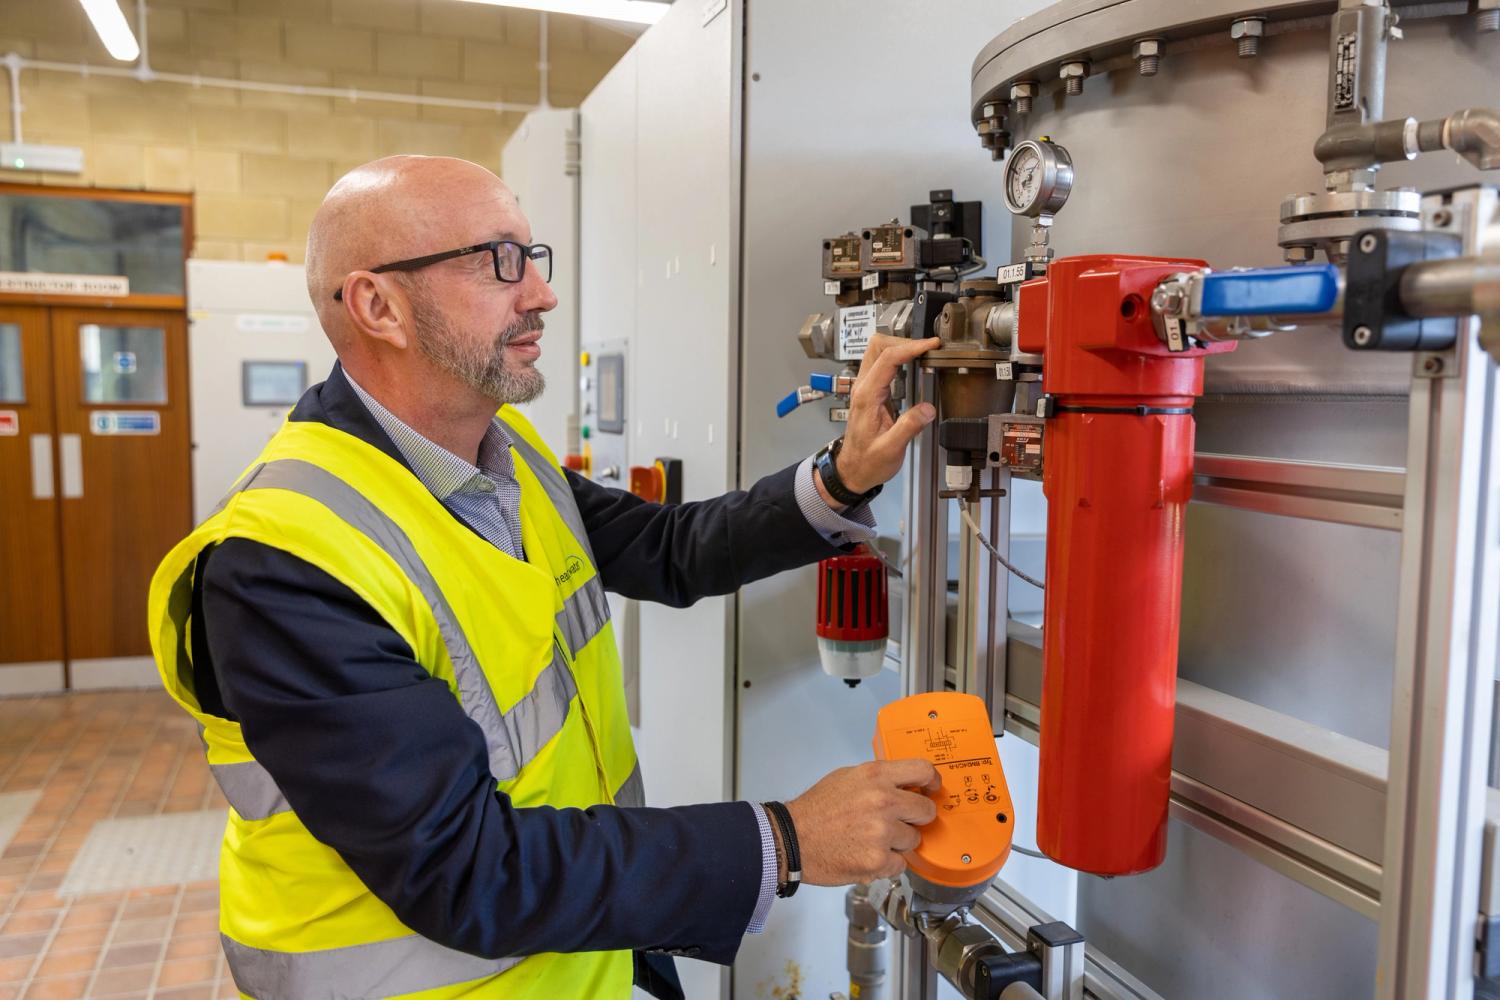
[634, 11]
[112, 28]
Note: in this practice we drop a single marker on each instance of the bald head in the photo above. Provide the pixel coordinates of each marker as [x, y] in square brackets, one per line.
[397, 208]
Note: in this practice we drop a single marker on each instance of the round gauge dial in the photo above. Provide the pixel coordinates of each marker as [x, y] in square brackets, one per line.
[1038, 178]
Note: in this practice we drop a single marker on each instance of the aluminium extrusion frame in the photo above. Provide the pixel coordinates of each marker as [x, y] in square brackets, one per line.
[1447, 639]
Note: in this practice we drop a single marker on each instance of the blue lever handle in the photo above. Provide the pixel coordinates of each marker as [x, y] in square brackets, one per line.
[821, 381]
[788, 403]
[1272, 291]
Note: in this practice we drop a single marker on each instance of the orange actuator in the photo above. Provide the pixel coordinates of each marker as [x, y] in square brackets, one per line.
[963, 849]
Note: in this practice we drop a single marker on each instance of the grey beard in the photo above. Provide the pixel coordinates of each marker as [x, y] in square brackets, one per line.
[484, 372]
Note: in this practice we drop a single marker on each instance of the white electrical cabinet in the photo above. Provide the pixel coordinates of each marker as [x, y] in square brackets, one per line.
[540, 165]
[715, 156]
[254, 346]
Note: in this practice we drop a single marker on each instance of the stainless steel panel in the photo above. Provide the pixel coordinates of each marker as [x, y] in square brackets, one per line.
[1294, 615]
[1212, 922]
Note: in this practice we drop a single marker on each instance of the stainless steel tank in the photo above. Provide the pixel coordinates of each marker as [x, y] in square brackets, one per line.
[1188, 128]
[1196, 159]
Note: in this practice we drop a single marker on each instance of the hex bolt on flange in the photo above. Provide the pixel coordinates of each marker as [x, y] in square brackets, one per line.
[1072, 75]
[1147, 52]
[1021, 93]
[1248, 32]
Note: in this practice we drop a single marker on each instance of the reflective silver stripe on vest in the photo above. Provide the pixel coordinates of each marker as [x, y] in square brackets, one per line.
[250, 789]
[513, 738]
[556, 485]
[383, 969]
[584, 613]
[632, 792]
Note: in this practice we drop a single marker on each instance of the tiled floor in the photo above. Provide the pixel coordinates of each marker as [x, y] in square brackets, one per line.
[97, 756]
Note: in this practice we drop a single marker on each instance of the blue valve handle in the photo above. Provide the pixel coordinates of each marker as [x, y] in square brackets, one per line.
[788, 403]
[1271, 291]
[821, 381]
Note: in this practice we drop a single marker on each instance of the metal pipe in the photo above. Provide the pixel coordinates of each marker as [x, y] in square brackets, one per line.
[1473, 133]
[143, 63]
[866, 952]
[13, 67]
[543, 68]
[1460, 286]
[307, 90]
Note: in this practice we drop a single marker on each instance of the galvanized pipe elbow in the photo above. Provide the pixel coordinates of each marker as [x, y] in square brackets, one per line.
[1474, 134]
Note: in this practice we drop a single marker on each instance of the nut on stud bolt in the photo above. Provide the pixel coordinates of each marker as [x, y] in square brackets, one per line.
[1487, 15]
[1363, 335]
[1148, 55]
[1073, 73]
[1021, 93]
[1248, 33]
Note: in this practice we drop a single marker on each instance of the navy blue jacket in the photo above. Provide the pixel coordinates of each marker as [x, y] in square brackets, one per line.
[380, 762]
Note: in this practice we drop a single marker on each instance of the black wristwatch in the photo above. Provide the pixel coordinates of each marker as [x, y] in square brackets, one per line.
[824, 462]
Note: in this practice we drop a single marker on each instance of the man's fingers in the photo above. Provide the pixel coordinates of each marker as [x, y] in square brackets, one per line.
[905, 837]
[914, 808]
[908, 426]
[885, 354]
[911, 772]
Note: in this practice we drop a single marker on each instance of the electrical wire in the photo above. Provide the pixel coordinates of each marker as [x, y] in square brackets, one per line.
[963, 510]
[1029, 852]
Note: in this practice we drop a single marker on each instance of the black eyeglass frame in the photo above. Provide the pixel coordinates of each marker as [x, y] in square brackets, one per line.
[493, 246]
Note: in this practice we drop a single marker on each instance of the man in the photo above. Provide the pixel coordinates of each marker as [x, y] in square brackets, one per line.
[394, 635]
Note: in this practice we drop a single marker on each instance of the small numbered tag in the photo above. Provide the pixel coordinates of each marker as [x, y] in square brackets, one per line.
[870, 281]
[830, 288]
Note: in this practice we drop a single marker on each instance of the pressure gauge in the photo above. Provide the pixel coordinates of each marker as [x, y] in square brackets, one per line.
[1038, 178]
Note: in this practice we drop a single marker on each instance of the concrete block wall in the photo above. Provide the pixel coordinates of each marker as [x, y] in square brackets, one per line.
[259, 163]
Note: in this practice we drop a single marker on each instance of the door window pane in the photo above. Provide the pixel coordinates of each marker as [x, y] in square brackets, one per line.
[12, 375]
[50, 234]
[123, 364]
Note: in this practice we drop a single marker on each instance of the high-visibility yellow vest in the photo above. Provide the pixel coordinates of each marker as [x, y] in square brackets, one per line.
[525, 647]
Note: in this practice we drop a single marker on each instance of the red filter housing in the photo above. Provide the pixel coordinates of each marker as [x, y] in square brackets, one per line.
[1118, 473]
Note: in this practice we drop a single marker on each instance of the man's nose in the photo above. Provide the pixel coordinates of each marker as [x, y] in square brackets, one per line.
[536, 294]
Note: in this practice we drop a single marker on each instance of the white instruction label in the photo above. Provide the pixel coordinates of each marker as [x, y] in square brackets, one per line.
[830, 288]
[1011, 273]
[856, 327]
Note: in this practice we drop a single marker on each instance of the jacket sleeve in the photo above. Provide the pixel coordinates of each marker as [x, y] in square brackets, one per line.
[380, 762]
[675, 554]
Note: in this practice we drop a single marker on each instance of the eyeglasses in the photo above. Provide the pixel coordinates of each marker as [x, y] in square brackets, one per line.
[509, 256]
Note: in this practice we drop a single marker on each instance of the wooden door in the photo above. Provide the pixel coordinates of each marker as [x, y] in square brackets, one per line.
[124, 478]
[31, 607]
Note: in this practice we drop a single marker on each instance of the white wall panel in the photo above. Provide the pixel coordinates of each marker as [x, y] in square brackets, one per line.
[535, 165]
[240, 312]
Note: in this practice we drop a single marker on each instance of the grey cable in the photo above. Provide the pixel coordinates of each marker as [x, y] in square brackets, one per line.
[1029, 852]
[963, 510]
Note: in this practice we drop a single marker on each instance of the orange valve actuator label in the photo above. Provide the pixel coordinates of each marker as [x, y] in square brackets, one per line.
[970, 839]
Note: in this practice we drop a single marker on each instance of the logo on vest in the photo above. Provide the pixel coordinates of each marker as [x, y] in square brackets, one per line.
[575, 565]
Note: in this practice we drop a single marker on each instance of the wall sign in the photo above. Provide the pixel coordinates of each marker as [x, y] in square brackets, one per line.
[271, 323]
[10, 423]
[112, 422]
[104, 286]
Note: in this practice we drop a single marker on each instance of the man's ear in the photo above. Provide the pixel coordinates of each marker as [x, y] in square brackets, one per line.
[377, 306]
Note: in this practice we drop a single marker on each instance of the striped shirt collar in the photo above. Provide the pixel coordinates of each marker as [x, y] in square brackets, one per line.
[443, 473]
